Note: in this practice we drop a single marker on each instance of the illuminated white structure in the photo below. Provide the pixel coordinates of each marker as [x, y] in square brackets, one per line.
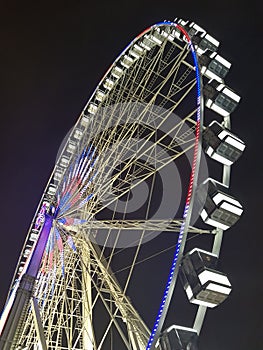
[191, 27]
[214, 66]
[120, 142]
[221, 144]
[203, 283]
[220, 98]
[179, 338]
[220, 209]
[200, 38]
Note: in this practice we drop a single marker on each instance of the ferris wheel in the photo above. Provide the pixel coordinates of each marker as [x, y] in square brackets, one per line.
[134, 166]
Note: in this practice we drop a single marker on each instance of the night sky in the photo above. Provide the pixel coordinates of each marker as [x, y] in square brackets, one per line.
[53, 54]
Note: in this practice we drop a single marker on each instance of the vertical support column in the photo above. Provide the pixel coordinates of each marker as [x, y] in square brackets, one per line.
[200, 316]
[16, 318]
[136, 344]
[88, 334]
[38, 324]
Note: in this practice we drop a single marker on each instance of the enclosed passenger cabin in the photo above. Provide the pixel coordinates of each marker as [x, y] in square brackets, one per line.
[203, 283]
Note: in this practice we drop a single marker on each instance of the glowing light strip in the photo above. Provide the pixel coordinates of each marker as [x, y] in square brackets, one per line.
[81, 175]
[190, 188]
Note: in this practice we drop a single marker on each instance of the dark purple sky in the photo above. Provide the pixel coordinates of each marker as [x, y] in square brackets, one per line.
[53, 55]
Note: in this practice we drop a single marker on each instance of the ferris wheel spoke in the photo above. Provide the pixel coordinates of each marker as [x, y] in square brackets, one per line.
[146, 225]
[171, 147]
[173, 72]
[109, 285]
[123, 89]
[131, 185]
[179, 140]
[142, 174]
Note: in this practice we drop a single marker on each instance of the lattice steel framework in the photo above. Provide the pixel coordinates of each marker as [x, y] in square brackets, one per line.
[140, 119]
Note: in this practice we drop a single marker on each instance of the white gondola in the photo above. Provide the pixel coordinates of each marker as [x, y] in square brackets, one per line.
[214, 66]
[179, 338]
[220, 209]
[220, 98]
[203, 283]
[221, 144]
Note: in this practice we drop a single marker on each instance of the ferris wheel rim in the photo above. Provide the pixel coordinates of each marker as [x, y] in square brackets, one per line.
[136, 39]
[187, 212]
